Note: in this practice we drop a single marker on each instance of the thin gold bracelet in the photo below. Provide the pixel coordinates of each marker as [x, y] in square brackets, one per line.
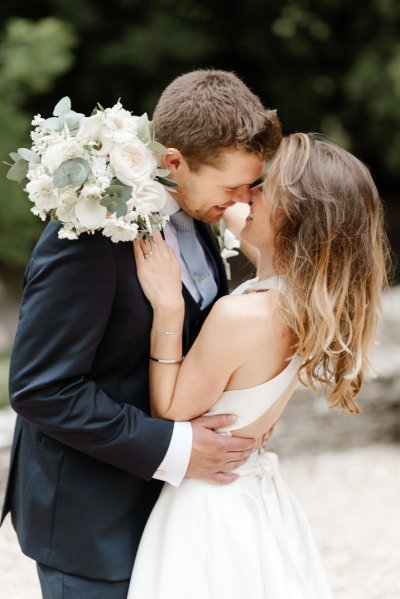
[168, 332]
[163, 361]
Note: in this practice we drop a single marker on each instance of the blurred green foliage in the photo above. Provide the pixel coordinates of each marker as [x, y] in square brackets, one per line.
[32, 55]
[4, 368]
[326, 65]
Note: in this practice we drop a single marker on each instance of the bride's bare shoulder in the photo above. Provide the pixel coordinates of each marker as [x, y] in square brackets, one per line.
[246, 310]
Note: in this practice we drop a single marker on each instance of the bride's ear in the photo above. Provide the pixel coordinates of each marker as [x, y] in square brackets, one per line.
[173, 161]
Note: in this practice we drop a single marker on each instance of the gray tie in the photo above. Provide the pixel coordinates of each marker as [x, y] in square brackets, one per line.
[194, 257]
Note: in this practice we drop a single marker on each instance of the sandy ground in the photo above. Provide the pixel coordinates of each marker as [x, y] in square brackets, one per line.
[346, 479]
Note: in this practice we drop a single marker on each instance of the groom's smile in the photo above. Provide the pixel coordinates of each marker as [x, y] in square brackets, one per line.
[207, 192]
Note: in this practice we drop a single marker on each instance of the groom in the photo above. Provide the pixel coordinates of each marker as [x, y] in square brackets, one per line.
[87, 459]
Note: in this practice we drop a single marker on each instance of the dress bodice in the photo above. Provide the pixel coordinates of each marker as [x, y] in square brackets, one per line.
[251, 403]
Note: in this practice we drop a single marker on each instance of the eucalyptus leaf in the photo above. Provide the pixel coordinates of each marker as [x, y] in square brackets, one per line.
[114, 205]
[157, 148]
[28, 155]
[15, 156]
[71, 172]
[72, 119]
[116, 199]
[18, 171]
[118, 189]
[53, 123]
[167, 182]
[143, 129]
[63, 106]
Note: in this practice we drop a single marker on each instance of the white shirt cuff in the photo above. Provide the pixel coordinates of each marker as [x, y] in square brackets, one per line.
[176, 461]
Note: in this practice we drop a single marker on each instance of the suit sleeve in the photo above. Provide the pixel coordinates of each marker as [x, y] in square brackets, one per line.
[65, 308]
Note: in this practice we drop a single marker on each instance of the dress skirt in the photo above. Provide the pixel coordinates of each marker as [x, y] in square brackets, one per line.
[250, 539]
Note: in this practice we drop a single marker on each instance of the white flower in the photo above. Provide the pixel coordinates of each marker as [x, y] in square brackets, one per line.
[66, 213]
[60, 151]
[40, 213]
[100, 170]
[90, 128]
[90, 213]
[37, 120]
[108, 142]
[132, 162]
[67, 232]
[119, 230]
[151, 198]
[120, 122]
[43, 193]
[91, 191]
[69, 196]
[230, 241]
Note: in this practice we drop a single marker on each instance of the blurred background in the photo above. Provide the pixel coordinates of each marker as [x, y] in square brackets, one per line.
[328, 66]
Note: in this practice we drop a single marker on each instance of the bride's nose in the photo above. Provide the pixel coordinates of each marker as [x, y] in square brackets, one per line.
[242, 194]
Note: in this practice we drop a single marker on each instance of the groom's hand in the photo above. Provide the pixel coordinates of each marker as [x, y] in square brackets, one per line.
[214, 456]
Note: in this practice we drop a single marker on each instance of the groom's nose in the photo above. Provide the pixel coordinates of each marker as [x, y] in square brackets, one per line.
[242, 194]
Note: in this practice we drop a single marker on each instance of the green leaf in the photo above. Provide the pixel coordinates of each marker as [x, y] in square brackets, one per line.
[157, 148]
[71, 172]
[53, 123]
[152, 129]
[165, 181]
[18, 171]
[143, 129]
[72, 119]
[15, 156]
[28, 155]
[63, 106]
[116, 199]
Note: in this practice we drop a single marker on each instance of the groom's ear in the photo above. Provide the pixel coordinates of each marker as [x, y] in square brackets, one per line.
[173, 161]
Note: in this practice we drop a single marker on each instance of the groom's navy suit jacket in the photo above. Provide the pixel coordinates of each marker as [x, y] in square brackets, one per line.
[85, 449]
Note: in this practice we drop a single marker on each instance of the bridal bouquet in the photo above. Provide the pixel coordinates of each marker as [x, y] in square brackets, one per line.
[96, 173]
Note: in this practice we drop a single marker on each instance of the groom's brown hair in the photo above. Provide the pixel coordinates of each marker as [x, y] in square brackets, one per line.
[206, 111]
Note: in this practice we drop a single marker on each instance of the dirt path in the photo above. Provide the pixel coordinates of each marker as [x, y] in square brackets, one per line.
[348, 484]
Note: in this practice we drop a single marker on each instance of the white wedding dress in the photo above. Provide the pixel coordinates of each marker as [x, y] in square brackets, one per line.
[246, 539]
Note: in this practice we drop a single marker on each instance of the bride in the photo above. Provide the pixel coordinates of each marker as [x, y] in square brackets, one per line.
[311, 314]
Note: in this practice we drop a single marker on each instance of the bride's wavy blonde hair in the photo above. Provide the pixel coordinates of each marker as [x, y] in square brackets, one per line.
[331, 246]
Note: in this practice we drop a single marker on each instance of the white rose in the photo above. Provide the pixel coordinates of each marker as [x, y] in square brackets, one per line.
[132, 162]
[43, 193]
[90, 213]
[150, 198]
[119, 230]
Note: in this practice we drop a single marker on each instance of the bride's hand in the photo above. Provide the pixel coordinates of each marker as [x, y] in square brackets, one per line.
[159, 274]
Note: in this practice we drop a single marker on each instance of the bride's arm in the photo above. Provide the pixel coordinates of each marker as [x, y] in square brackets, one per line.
[183, 390]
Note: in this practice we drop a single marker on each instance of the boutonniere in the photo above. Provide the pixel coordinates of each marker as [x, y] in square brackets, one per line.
[227, 244]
